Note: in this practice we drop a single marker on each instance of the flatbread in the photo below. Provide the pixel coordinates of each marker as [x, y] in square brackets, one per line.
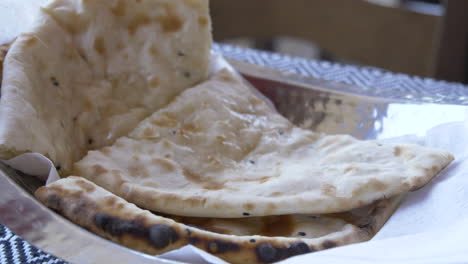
[219, 151]
[112, 217]
[90, 71]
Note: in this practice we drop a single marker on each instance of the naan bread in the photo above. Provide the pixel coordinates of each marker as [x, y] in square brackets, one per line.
[219, 151]
[91, 70]
[112, 217]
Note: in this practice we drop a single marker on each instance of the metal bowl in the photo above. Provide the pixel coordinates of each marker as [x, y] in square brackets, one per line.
[324, 106]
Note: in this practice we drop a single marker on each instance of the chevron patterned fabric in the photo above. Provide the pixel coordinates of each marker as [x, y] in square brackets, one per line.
[381, 82]
[14, 250]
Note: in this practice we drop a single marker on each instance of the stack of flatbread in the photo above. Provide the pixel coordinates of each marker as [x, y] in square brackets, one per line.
[155, 155]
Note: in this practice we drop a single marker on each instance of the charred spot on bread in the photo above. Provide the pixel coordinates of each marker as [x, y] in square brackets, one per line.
[180, 53]
[54, 81]
[162, 236]
[267, 253]
[117, 227]
[298, 248]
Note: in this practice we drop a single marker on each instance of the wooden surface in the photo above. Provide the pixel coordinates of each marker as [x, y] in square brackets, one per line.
[392, 38]
[452, 52]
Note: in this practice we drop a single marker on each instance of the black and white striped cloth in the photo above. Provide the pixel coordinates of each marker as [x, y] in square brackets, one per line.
[14, 250]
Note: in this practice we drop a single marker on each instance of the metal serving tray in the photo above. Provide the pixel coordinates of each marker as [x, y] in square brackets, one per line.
[325, 106]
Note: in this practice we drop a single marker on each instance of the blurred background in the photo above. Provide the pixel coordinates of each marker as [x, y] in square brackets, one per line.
[418, 37]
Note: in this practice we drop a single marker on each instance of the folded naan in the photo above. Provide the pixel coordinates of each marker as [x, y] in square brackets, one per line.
[90, 71]
[248, 240]
[219, 151]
